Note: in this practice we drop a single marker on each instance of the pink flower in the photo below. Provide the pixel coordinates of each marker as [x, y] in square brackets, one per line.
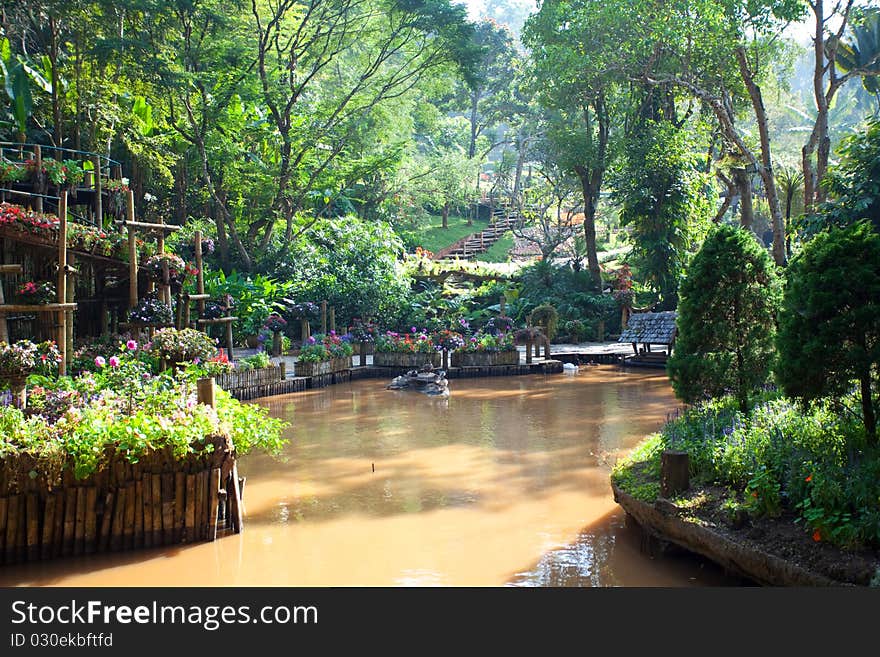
[132, 345]
[99, 361]
[114, 361]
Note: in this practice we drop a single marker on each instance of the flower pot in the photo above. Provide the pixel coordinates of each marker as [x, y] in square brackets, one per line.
[340, 364]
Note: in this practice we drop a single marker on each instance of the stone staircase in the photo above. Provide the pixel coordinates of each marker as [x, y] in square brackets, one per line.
[503, 219]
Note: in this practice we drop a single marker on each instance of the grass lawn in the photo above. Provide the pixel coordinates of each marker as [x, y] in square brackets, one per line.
[498, 251]
[434, 238]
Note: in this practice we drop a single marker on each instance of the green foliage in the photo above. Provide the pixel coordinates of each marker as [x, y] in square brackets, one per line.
[811, 461]
[725, 319]
[256, 361]
[829, 332]
[662, 196]
[547, 317]
[854, 183]
[179, 345]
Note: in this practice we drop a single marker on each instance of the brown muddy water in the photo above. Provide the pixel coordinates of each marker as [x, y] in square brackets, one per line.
[504, 483]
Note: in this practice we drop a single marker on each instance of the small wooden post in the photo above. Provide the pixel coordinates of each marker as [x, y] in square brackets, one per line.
[179, 505]
[323, 318]
[332, 319]
[501, 303]
[230, 346]
[91, 519]
[62, 281]
[214, 503]
[190, 518]
[148, 509]
[132, 252]
[362, 354]
[206, 391]
[528, 351]
[445, 359]
[305, 329]
[99, 202]
[38, 157]
[79, 530]
[48, 526]
[32, 513]
[674, 472]
[235, 495]
[276, 343]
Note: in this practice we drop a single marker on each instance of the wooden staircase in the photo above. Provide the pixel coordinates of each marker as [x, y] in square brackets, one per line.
[503, 219]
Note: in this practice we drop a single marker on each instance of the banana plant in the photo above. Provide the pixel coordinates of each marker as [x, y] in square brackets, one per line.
[18, 76]
[862, 51]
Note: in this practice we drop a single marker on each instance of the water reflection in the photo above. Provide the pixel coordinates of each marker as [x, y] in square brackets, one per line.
[506, 482]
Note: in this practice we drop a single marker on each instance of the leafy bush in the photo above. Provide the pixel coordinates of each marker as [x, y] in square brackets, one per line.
[413, 342]
[182, 345]
[256, 361]
[726, 319]
[813, 462]
[25, 357]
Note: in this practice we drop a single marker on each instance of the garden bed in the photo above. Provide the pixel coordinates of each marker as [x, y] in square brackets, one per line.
[322, 367]
[769, 551]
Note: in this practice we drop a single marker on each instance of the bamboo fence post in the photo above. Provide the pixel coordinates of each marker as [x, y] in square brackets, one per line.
[148, 510]
[168, 508]
[12, 529]
[333, 319]
[48, 527]
[62, 281]
[32, 514]
[79, 530]
[213, 504]
[179, 505]
[190, 508]
[69, 523]
[132, 252]
[128, 518]
[156, 489]
[4, 505]
[323, 318]
[99, 202]
[117, 531]
[58, 532]
[38, 157]
[104, 536]
[91, 520]
[235, 496]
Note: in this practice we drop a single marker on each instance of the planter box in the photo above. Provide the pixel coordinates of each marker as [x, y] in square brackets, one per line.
[484, 358]
[241, 379]
[404, 359]
[340, 364]
[313, 369]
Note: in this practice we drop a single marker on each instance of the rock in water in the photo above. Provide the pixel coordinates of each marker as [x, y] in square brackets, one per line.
[428, 381]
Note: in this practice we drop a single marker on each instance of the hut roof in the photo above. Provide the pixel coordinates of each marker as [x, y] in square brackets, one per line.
[650, 328]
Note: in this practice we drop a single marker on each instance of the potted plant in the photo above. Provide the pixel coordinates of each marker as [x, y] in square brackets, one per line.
[363, 332]
[176, 346]
[486, 349]
[340, 351]
[528, 336]
[22, 358]
[150, 311]
[447, 342]
[314, 359]
[275, 324]
[153, 267]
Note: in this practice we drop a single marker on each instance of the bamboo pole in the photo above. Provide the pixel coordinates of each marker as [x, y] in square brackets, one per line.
[235, 495]
[128, 519]
[157, 509]
[132, 253]
[323, 318]
[11, 527]
[32, 513]
[71, 298]
[79, 532]
[91, 520]
[104, 536]
[69, 523]
[213, 504]
[62, 281]
[58, 532]
[138, 539]
[148, 509]
[117, 530]
[99, 202]
[332, 319]
[200, 276]
[48, 527]
[38, 157]
[179, 505]
[190, 508]
[168, 508]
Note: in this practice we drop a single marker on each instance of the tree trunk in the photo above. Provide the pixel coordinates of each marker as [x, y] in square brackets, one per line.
[765, 168]
[58, 137]
[590, 197]
[868, 408]
[744, 188]
[446, 215]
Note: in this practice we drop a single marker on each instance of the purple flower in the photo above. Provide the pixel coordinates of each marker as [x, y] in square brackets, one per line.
[412, 329]
[99, 361]
[196, 360]
[311, 340]
[132, 345]
[114, 361]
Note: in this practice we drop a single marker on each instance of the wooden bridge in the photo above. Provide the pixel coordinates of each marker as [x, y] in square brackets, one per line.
[504, 217]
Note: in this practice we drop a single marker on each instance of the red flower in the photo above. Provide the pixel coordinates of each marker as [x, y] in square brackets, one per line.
[817, 536]
[755, 494]
[809, 479]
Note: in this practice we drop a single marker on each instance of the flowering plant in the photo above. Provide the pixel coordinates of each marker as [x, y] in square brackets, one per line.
[488, 342]
[313, 351]
[336, 346]
[363, 330]
[11, 172]
[177, 268]
[304, 310]
[499, 324]
[151, 310]
[448, 340]
[24, 357]
[31, 292]
[275, 323]
[412, 342]
[182, 345]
